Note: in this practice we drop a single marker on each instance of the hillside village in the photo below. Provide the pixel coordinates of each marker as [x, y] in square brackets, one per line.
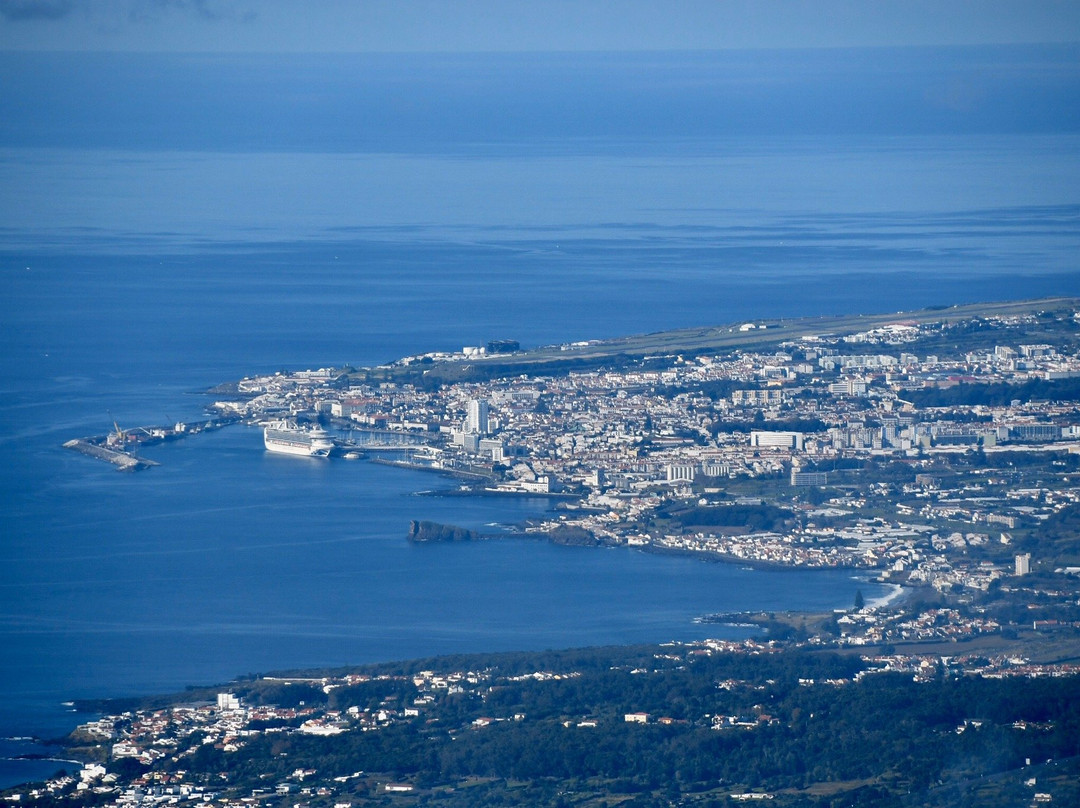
[344, 738]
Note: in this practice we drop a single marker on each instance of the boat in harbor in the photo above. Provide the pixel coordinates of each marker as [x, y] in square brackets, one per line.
[286, 438]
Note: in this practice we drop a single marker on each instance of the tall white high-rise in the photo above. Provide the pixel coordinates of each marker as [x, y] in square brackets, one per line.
[477, 422]
[1023, 564]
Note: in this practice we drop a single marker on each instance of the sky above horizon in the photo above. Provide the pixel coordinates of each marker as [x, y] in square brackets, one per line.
[524, 25]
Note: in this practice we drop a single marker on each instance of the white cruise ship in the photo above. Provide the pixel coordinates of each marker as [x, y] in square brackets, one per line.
[281, 436]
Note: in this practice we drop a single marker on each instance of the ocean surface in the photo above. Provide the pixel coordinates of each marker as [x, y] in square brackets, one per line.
[139, 269]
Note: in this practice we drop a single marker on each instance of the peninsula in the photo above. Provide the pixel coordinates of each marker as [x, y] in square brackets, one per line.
[936, 447]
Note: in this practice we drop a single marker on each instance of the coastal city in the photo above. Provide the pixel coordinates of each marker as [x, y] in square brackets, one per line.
[540, 404]
[940, 457]
[831, 451]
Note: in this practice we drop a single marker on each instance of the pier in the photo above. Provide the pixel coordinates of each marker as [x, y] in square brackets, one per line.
[124, 461]
[119, 447]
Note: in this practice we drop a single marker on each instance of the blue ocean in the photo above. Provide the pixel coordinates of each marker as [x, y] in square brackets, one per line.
[152, 246]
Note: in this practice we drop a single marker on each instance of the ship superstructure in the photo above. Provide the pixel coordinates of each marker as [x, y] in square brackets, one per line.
[286, 438]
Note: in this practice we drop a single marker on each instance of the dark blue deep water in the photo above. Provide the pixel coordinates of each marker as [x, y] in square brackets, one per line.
[135, 276]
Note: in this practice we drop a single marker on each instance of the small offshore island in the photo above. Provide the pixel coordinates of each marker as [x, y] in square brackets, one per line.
[936, 450]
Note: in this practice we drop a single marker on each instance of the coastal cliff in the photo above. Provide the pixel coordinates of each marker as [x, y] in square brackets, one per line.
[427, 531]
[423, 531]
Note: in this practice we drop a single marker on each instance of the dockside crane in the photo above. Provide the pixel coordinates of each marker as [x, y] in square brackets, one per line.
[118, 438]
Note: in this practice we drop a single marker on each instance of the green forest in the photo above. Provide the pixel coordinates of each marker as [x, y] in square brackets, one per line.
[808, 728]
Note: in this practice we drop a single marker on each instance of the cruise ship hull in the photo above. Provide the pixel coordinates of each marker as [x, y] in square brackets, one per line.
[284, 439]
